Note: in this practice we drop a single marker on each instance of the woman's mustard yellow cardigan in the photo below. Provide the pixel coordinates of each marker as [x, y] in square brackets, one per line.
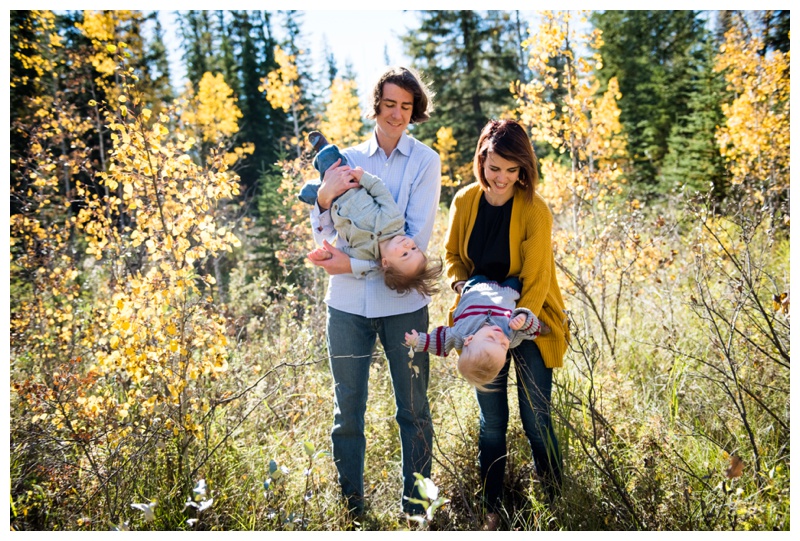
[530, 241]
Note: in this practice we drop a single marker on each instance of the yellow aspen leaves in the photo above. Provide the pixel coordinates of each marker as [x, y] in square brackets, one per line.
[341, 121]
[755, 138]
[212, 113]
[445, 145]
[596, 245]
[148, 325]
[280, 85]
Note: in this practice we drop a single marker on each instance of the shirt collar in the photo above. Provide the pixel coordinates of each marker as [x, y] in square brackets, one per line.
[404, 145]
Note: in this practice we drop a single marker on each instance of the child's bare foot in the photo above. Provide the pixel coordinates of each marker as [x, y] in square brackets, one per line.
[319, 254]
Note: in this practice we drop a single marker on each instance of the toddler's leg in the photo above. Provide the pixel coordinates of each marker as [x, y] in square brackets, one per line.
[473, 281]
[327, 155]
[513, 282]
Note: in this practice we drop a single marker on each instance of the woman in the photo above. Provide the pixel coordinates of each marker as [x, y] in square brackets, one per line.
[500, 227]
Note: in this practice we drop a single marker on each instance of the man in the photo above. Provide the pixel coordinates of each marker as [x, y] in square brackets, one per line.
[360, 306]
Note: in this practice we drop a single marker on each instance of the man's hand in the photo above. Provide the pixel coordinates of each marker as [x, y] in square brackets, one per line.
[337, 263]
[412, 338]
[336, 181]
[517, 322]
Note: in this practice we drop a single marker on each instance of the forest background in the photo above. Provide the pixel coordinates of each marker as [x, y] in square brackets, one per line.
[167, 359]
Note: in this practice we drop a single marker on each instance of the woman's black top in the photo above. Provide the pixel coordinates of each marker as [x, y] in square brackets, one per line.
[488, 245]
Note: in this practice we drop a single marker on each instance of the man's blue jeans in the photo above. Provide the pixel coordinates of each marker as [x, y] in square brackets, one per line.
[534, 384]
[351, 340]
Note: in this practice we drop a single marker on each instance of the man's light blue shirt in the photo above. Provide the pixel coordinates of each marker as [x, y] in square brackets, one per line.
[412, 173]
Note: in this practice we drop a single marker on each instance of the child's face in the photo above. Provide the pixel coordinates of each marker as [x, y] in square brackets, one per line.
[492, 341]
[401, 253]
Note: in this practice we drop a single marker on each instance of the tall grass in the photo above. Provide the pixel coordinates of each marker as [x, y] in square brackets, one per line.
[684, 426]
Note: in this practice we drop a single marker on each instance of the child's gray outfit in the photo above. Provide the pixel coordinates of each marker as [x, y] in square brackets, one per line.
[365, 216]
[484, 303]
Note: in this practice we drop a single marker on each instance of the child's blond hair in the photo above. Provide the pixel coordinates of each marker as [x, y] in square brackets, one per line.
[478, 367]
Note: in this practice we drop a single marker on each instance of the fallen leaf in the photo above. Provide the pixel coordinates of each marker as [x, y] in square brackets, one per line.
[736, 467]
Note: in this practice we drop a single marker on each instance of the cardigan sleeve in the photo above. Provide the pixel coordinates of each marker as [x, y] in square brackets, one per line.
[537, 256]
[455, 268]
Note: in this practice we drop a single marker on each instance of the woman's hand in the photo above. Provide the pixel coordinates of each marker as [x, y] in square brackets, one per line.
[336, 181]
[543, 328]
[459, 286]
[337, 263]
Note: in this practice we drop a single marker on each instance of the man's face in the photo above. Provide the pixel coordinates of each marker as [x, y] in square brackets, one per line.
[394, 112]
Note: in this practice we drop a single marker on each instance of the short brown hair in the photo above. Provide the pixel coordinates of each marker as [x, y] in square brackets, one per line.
[423, 280]
[409, 80]
[508, 139]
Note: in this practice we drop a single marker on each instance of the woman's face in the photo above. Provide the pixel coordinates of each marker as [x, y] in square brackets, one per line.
[501, 175]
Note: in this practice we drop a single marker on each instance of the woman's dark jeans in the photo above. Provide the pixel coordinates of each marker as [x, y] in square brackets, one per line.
[512, 281]
[534, 383]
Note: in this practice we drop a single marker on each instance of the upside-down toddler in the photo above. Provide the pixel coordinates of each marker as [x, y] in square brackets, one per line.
[486, 324]
[372, 225]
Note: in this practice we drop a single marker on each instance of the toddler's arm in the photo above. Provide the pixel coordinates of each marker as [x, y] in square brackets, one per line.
[438, 342]
[379, 192]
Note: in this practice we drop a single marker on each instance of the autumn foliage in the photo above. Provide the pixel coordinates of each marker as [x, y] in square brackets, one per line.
[168, 364]
[123, 340]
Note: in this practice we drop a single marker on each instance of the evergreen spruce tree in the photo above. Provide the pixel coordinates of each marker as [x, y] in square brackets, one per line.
[651, 53]
[469, 57]
[260, 124]
[300, 115]
[158, 62]
[24, 80]
[693, 158]
[230, 67]
[331, 68]
[198, 44]
[776, 24]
